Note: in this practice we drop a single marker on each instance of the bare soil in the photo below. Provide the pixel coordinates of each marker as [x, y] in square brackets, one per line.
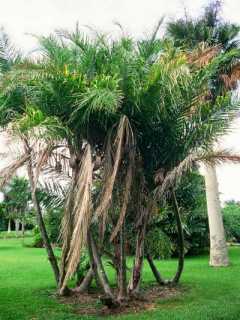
[90, 304]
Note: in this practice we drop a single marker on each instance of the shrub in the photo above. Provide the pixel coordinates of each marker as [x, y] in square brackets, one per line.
[158, 244]
[37, 239]
[53, 220]
[14, 234]
[82, 267]
[231, 218]
[192, 202]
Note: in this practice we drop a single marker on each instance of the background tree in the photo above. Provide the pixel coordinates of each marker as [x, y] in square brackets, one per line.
[16, 201]
[231, 218]
[209, 30]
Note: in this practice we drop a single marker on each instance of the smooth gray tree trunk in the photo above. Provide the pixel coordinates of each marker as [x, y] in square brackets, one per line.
[218, 245]
[9, 225]
[23, 228]
[17, 224]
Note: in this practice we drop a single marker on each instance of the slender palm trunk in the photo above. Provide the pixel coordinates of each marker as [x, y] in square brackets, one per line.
[180, 267]
[86, 282]
[177, 276]
[155, 271]
[23, 228]
[218, 245]
[40, 221]
[17, 223]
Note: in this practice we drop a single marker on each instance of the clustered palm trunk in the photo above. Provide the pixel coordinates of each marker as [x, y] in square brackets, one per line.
[96, 239]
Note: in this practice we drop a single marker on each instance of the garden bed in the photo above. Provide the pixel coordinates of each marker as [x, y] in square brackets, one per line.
[90, 304]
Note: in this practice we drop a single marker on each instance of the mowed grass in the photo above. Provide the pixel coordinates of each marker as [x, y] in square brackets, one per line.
[27, 288]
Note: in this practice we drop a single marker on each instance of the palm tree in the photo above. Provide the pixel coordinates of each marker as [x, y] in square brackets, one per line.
[134, 117]
[210, 30]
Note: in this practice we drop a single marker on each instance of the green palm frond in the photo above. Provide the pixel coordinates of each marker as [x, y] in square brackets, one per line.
[9, 55]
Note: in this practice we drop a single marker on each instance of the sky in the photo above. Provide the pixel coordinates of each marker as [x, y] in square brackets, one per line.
[23, 19]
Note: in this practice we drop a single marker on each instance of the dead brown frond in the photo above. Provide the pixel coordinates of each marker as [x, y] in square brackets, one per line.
[82, 211]
[42, 159]
[197, 103]
[212, 157]
[218, 157]
[57, 165]
[67, 225]
[231, 78]
[172, 177]
[203, 55]
[123, 141]
[126, 194]
[7, 173]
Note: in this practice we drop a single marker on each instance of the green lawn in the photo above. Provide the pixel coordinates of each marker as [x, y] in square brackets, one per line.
[27, 286]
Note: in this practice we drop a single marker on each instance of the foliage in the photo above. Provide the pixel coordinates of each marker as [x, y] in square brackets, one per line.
[158, 244]
[192, 201]
[53, 218]
[37, 238]
[231, 218]
[207, 31]
[3, 220]
[82, 267]
[16, 200]
[208, 28]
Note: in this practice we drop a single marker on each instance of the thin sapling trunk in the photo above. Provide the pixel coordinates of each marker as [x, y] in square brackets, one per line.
[176, 210]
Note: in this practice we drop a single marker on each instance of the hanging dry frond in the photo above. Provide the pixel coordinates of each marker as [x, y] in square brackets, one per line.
[42, 159]
[7, 173]
[57, 165]
[174, 176]
[219, 157]
[82, 211]
[126, 194]
[66, 230]
[124, 140]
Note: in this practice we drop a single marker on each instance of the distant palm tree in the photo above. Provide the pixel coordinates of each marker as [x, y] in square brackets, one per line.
[195, 34]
